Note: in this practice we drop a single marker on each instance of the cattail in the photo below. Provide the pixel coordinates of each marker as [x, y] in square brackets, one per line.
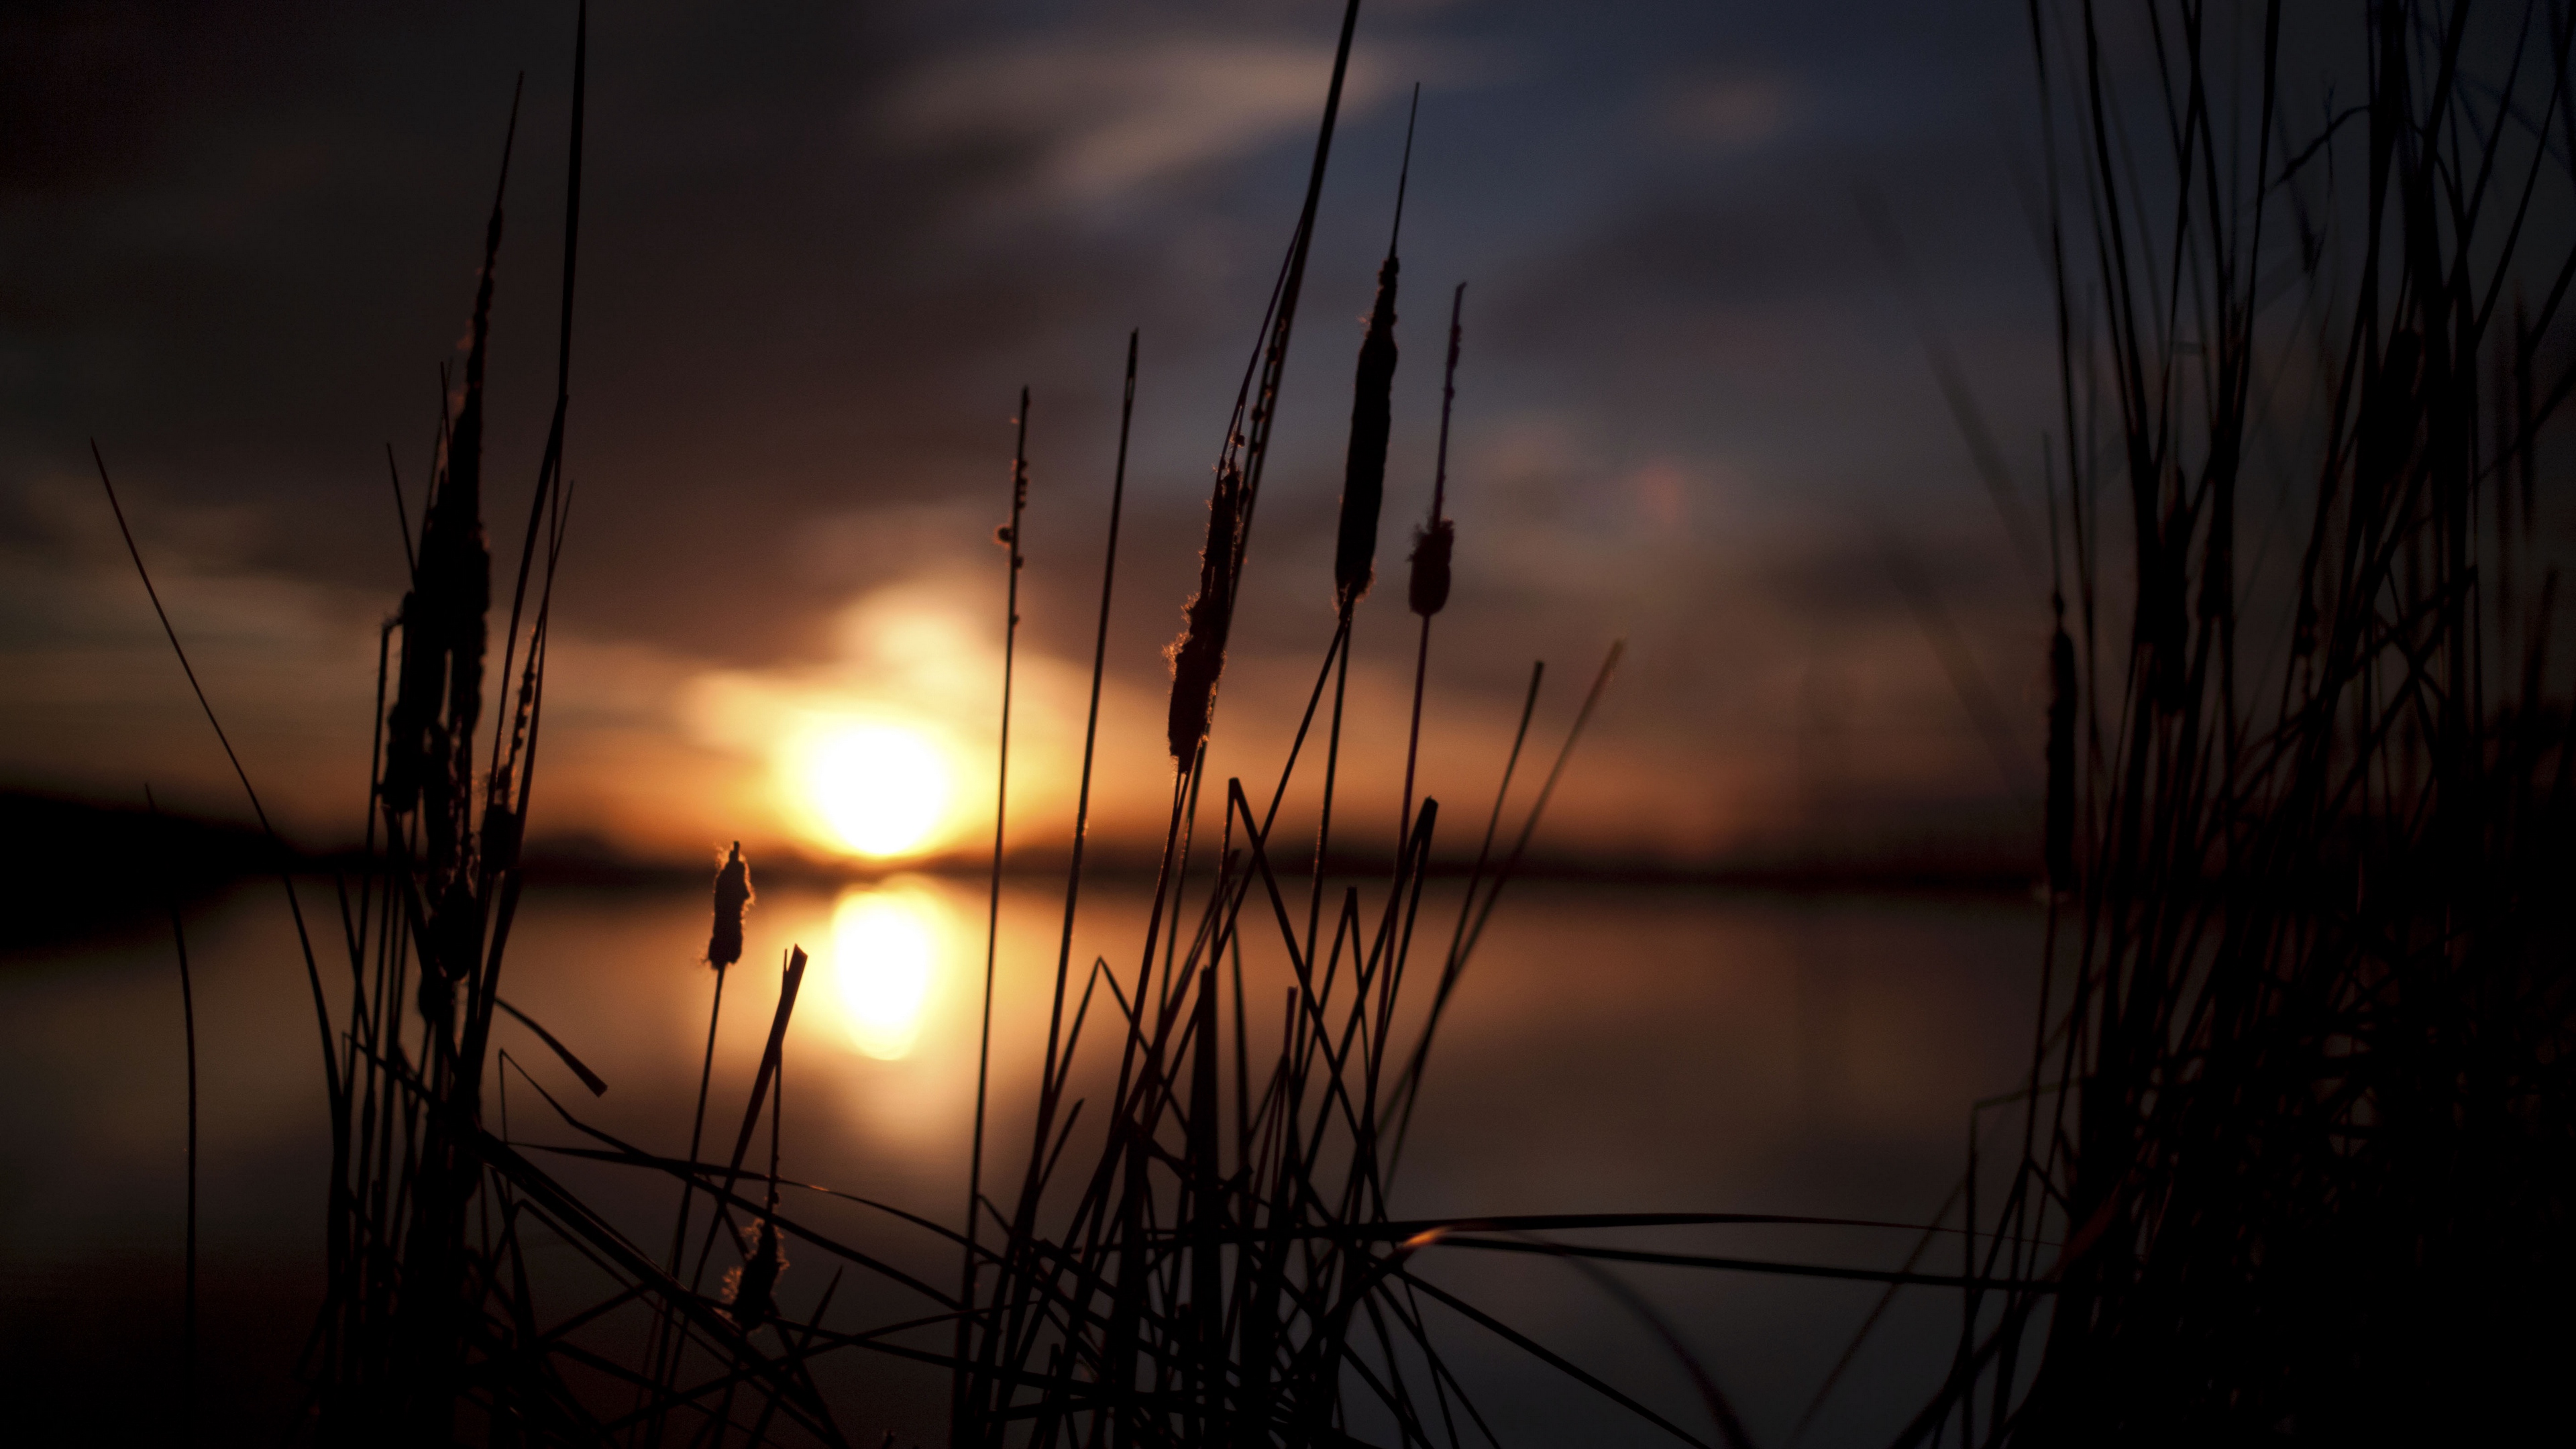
[1428, 589]
[1364, 474]
[1372, 416]
[458, 578]
[437, 998]
[733, 893]
[2061, 757]
[752, 1289]
[451, 592]
[452, 943]
[463, 583]
[501, 832]
[1198, 656]
[415, 678]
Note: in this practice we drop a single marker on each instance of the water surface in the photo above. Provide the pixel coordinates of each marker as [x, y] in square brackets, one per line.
[1611, 1049]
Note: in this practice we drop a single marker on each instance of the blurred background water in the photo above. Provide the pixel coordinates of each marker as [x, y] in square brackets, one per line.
[1612, 1048]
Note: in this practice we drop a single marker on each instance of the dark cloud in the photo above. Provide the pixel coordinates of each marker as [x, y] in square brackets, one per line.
[823, 245]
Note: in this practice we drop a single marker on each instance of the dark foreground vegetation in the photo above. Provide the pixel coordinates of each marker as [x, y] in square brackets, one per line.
[2295, 1150]
[2292, 1158]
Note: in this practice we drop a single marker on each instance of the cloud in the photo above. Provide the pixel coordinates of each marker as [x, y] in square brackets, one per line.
[1105, 117]
[923, 655]
[96, 703]
[1731, 113]
[824, 246]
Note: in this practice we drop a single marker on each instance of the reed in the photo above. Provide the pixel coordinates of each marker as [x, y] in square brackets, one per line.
[1198, 655]
[1426, 589]
[1372, 416]
[1010, 536]
[188, 1024]
[1355, 531]
[2294, 1154]
[733, 896]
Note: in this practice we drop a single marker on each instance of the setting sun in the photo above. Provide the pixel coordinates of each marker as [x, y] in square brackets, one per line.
[880, 788]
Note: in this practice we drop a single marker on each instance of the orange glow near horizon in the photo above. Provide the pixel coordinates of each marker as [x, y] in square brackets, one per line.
[880, 790]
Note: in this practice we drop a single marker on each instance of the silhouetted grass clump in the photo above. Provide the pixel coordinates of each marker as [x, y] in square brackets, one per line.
[2300, 1156]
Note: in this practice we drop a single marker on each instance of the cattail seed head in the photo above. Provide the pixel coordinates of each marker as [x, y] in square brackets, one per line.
[1428, 590]
[450, 948]
[443, 614]
[1364, 474]
[455, 580]
[437, 998]
[751, 1291]
[733, 894]
[414, 708]
[455, 933]
[1198, 656]
[501, 834]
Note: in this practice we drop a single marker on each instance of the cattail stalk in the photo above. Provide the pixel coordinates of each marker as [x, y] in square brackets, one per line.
[1363, 496]
[188, 1020]
[733, 894]
[1427, 589]
[1010, 536]
[1247, 443]
[1372, 417]
[550, 467]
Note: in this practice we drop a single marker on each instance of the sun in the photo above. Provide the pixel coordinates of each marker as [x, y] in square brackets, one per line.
[881, 788]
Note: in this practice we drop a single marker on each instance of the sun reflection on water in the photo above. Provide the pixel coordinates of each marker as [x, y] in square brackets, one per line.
[887, 945]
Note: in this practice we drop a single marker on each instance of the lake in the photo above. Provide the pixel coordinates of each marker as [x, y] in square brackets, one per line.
[1611, 1048]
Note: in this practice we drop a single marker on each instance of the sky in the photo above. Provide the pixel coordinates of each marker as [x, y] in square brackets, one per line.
[822, 248]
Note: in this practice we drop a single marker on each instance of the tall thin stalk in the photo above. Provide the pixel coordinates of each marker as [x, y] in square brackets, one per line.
[188, 1022]
[1363, 496]
[1010, 537]
[1427, 588]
